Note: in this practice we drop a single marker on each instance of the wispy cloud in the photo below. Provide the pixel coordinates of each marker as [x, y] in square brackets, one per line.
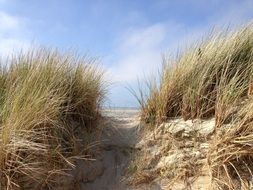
[8, 22]
[138, 51]
[137, 55]
[12, 34]
[12, 45]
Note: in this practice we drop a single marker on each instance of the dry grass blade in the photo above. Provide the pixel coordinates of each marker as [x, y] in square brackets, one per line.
[214, 79]
[45, 97]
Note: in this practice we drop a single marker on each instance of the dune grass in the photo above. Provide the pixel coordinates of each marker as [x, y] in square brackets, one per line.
[191, 84]
[45, 96]
[213, 79]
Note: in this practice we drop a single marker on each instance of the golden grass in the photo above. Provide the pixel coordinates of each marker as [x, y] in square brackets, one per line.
[45, 96]
[231, 151]
[192, 83]
[213, 79]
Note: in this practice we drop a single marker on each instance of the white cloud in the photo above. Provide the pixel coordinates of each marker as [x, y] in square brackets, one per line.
[139, 51]
[12, 45]
[8, 22]
[12, 34]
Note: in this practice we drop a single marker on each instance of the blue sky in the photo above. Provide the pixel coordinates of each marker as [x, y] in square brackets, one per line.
[129, 36]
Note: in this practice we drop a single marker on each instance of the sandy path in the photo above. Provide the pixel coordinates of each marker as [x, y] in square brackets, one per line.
[118, 139]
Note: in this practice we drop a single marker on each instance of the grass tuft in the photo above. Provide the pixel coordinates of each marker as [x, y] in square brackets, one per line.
[192, 84]
[45, 98]
[213, 79]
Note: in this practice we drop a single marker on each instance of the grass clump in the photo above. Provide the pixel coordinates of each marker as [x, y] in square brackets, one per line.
[192, 84]
[231, 151]
[45, 98]
[213, 79]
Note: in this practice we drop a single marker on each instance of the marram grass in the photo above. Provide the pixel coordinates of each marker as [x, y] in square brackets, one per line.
[213, 79]
[43, 96]
[193, 84]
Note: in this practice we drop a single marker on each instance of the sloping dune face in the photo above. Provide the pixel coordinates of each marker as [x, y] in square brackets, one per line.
[212, 80]
[46, 99]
